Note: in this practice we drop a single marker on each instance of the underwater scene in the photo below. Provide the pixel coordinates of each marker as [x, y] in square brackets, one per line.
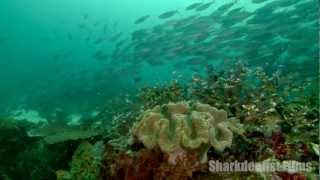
[159, 90]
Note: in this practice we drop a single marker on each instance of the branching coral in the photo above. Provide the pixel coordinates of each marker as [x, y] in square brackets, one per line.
[184, 126]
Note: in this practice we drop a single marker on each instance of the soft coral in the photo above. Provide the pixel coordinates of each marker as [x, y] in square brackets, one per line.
[137, 167]
[184, 167]
[278, 145]
[153, 164]
[296, 176]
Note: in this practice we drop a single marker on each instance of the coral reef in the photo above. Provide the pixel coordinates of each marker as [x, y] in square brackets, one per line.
[151, 164]
[13, 140]
[158, 95]
[171, 130]
[184, 126]
[27, 155]
[86, 163]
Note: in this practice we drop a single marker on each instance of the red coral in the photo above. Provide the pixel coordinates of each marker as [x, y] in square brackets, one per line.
[283, 150]
[305, 149]
[277, 139]
[137, 167]
[296, 176]
[185, 166]
[278, 145]
[152, 164]
[147, 162]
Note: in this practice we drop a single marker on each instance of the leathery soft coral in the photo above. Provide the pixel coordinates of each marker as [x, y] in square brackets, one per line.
[179, 128]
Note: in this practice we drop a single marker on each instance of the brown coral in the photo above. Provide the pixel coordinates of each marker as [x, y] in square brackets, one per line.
[153, 164]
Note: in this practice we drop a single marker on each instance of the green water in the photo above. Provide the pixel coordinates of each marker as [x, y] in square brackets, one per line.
[47, 48]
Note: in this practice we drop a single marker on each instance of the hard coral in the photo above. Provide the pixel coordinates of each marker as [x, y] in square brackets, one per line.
[184, 126]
